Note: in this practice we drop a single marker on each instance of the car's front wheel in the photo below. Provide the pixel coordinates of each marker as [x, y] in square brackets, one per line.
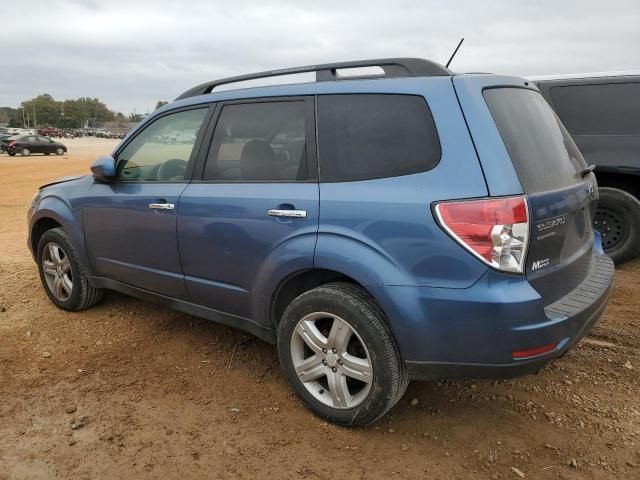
[339, 355]
[61, 273]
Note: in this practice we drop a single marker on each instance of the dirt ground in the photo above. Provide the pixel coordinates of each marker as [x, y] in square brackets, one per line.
[129, 389]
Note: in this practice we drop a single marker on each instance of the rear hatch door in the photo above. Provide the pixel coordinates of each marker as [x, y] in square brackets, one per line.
[531, 152]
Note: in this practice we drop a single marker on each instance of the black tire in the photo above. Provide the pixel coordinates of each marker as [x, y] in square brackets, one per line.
[83, 295]
[618, 221]
[355, 307]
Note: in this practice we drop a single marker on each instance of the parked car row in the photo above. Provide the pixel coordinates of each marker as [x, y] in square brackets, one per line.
[10, 132]
[109, 134]
[61, 133]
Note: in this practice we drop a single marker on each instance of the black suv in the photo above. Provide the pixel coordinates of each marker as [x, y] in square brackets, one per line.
[602, 113]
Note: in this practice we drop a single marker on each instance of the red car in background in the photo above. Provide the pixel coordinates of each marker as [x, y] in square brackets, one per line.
[51, 132]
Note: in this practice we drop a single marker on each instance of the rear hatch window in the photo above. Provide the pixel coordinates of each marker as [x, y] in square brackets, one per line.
[542, 151]
[561, 201]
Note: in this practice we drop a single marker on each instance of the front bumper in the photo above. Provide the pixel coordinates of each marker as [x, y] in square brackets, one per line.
[473, 332]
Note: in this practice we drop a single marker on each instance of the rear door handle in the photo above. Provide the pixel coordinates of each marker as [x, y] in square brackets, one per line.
[287, 213]
[162, 206]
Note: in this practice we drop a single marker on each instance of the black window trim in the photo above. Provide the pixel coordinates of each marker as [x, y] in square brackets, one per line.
[418, 95]
[188, 175]
[310, 134]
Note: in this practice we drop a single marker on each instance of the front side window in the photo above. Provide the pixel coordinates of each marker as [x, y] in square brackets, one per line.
[263, 141]
[161, 152]
[367, 136]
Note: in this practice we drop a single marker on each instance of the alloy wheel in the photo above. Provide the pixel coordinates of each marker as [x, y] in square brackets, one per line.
[57, 271]
[331, 360]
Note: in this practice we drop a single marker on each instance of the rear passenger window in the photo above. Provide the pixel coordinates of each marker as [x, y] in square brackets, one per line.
[363, 136]
[259, 142]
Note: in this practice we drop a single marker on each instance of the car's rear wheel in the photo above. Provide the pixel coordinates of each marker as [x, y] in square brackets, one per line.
[61, 273]
[60, 151]
[338, 354]
[25, 152]
[618, 221]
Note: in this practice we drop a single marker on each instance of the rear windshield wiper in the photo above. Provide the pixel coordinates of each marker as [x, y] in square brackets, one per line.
[587, 171]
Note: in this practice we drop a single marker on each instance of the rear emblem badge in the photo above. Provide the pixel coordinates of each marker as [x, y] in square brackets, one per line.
[538, 264]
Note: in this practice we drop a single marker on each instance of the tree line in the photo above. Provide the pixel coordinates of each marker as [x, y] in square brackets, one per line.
[45, 111]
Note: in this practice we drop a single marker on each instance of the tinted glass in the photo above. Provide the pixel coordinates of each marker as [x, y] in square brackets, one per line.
[542, 151]
[608, 109]
[162, 150]
[366, 136]
[259, 142]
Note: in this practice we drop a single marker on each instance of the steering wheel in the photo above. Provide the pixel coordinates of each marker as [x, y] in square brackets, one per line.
[171, 170]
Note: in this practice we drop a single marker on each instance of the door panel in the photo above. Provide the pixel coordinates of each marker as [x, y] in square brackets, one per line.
[44, 145]
[130, 242]
[254, 208]
[34, 145]
[226, 237]
[130, 223]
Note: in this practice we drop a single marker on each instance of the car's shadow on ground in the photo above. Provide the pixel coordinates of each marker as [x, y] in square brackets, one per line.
[247, 358]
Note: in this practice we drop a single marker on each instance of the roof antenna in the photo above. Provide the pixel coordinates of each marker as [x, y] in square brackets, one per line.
[454, 52]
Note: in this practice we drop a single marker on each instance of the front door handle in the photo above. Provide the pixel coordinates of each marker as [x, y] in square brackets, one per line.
[162, 206]
[287, 213]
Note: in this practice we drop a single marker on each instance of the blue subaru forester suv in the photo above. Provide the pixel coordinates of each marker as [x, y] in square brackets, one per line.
[407, 224]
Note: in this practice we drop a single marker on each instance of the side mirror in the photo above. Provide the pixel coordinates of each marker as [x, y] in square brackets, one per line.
[104, 168]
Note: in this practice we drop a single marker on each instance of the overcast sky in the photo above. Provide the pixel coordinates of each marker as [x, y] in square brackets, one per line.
[132, 53]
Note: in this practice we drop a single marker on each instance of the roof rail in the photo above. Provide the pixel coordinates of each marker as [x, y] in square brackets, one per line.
[392, 67]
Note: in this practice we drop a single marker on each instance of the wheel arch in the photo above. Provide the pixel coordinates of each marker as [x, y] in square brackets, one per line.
[299, 282]
[53, 212]
[629, 182]
[38, 229]
[336, 258]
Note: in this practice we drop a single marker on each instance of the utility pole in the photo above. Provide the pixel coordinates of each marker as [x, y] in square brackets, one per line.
[35, 123]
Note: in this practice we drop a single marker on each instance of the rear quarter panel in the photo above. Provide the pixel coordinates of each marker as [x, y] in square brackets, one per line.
[382, 232]
[498, 169]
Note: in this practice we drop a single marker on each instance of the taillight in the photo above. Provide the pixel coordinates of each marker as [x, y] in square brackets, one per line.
[496, 230]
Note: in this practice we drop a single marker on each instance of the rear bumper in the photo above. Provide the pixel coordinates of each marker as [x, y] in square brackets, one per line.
[474, 332]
